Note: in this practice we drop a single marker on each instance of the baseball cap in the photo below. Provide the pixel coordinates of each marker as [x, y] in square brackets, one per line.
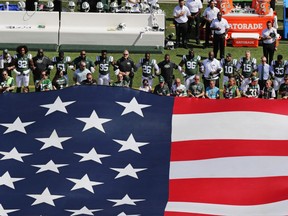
[254, 79]
[161, 79]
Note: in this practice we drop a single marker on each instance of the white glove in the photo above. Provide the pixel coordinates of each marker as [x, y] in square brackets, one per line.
[17, 72]
[26, 72]
[92, 69]
[50, 67]
[184, 74]
[117, 72]
[70, 67]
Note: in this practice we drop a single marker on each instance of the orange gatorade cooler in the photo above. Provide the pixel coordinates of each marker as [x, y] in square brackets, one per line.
[263, 7]
[225, 6]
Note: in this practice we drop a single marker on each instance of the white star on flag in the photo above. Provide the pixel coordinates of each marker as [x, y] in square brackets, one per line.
[4, 212]
[17, 125]
[133, 106]
[45, 197]
[50, 166]
[85, 183]
[92, 155]
[7, 180]
[53, 140]
[94, 122]
[14, 154]
[83, 211]
[130, 144]
[58, 105]
[123, 214]
[127, 171]
[126, 200]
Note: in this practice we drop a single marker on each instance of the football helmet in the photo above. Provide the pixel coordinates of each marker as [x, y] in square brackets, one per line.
[114, 7]
[121, 27]
[144, 7]
[71, 6]
[21, 5]
[85, 6]
[128, 8]
[170, 45]
[50, 6]
[99, 7]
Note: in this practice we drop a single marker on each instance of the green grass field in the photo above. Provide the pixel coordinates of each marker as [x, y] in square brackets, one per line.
[177, 53]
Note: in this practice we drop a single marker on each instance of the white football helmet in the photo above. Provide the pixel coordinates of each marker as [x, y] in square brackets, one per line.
[21, 5]
[71, 6]
[144, 7]
[100, 7]
[85, 6]
[121, 27]
[114, 7]
[170, 45]
[50, 6]
[128, 7]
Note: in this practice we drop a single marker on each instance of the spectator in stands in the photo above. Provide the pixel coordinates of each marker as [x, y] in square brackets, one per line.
[178, 89]
[268, 91]
[278, 69]
[80, 74]
[181, 15]
[231, 90]
[63, 63]
[212, 92]
[45, 83]
[269, 36]
[121, 82]
[89, 63]
[6, 62]
[166, 70]
[252, 89]
[192, 64]
[247, 65]
[89, 80]
[104, 63]
[229, 66]
[59, 81]
[41, 63]
[149, 68]
[211, 68]
[195, 7]
[220, 27]
[283, 90]
[126, 67]
[145, 86]
[263, 70]
[7, 83]
[162, 88]
[196, 89]
[23, 64]
[209, 14]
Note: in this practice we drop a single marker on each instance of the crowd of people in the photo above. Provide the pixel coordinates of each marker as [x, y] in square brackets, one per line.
[201, 78]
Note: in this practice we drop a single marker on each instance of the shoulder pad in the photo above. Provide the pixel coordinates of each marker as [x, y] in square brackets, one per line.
[234, 61]
[184, 58]
[198, 58]
[68, 59]
[153, 61]
[254, 60]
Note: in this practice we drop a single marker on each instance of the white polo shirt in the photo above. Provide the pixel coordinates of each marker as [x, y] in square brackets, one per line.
[211, 14]
[223, 25]
[184, 18]
[266, 32]
[194, 5]
[210, 66]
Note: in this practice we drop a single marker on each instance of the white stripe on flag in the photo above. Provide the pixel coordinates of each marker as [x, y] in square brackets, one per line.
[231, 167]
[276, 208]
[229, 125]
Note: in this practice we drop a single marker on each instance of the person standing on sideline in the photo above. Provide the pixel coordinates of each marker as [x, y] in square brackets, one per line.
[209, 14]
[195, 7]
[181, 14]
[220, 27]
[269, 36]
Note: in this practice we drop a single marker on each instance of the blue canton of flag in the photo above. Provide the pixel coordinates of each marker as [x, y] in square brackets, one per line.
[84, 151]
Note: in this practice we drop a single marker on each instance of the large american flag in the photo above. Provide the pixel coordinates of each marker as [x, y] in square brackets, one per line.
[94, 150]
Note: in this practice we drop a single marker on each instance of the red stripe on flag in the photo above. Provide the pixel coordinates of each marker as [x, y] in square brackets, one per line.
[205, 149]
[231, 191]
[192, 105]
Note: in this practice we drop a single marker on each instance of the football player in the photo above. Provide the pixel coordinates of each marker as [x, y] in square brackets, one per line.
[104, 63]
[229, 66]
[278, 71]
[149, 67]
[62, 63]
